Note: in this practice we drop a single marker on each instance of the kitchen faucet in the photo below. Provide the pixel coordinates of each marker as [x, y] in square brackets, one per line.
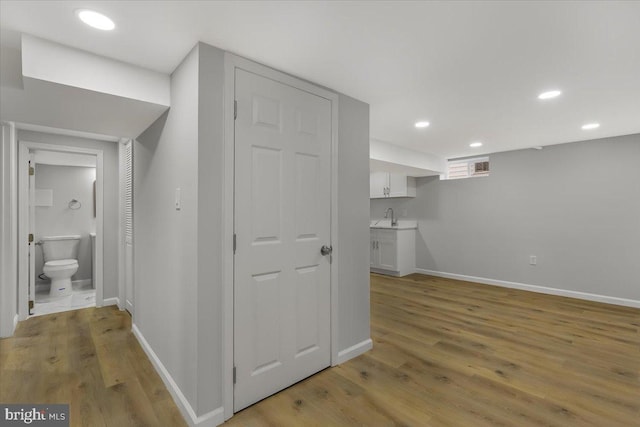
[394, 221]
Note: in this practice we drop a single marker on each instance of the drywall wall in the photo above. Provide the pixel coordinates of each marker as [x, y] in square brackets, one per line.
[165, 239]
[8, 232]
[66, 183]
[387, 157]
[353, 223]
[210, 230]
[100, 95]
[49, 61]
[576, 207]
[110, 210]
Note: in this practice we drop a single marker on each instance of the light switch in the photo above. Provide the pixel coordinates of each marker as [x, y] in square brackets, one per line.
[178, 200]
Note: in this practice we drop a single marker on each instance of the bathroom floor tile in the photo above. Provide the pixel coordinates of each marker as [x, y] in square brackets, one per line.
[82, 296]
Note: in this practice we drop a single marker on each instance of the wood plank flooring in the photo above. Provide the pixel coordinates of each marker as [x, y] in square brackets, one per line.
[446, 353]
[90, 359]
[452, 353]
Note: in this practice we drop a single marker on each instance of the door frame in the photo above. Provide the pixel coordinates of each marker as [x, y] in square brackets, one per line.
[231, 62]
[23, 226]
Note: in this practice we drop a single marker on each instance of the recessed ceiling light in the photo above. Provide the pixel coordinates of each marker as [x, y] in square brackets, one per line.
[590, 126]
[549, 94]
[475, 144]
[95, 19]
[422, 124]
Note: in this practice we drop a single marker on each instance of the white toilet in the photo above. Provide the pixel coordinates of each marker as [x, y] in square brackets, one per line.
[60, 262]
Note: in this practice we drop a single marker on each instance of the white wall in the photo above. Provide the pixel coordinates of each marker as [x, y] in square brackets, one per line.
[8, 232]
[66, 182]
[100, 95]
[48, 61]
[210, 227]
[353, 223]
[388, 157]
[110, 215]
[178, 304]
[575, 206]
[165, 239]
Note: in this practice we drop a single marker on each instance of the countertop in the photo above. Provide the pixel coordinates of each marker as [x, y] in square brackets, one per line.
[403, 224]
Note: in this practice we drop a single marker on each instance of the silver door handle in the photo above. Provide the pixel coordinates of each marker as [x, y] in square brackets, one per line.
[326, 250]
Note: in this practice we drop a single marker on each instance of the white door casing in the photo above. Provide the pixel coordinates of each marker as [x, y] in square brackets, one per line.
[23, 232]
[24, 224]
[32, 232]
[282, 298]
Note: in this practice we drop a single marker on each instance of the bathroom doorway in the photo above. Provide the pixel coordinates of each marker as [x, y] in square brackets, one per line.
[60, 227]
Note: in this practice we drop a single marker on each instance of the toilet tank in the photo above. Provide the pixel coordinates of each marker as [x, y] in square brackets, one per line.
[60, 247]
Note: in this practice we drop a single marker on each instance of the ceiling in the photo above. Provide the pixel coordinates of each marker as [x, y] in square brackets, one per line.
[472, 69]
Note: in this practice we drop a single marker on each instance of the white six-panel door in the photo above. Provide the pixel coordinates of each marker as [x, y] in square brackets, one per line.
[282, 219]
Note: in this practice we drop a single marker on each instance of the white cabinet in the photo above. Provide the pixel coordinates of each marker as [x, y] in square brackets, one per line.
[392, 251]
[385, 184]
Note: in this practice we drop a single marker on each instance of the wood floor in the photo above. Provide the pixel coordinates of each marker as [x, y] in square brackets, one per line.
[446, 353]
[451, 353]
[90, 359]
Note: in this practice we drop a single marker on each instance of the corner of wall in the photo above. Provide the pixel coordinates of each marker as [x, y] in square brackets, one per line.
[210, 419]
[353, 225]
[209, 394]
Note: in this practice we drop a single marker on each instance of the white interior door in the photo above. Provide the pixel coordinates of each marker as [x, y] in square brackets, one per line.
[282, 219]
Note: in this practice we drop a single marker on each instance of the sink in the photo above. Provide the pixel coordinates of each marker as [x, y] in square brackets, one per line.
[403, 224]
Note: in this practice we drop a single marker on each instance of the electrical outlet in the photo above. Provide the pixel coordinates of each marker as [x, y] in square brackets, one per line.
[533, 260]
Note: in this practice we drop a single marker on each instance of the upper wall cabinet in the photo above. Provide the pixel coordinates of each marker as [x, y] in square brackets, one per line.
[385, 184]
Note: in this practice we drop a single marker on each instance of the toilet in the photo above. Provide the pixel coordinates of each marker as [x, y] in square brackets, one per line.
[60, 262]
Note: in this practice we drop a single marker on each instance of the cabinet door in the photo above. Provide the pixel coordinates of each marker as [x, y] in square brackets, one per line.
[378, 181]
[387, 256]
[373, 251]
[397, 185]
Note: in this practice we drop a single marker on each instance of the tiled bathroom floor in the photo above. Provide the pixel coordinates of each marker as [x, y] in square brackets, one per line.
[82, 296]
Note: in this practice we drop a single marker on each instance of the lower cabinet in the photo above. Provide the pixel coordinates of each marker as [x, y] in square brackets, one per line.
[392, 251]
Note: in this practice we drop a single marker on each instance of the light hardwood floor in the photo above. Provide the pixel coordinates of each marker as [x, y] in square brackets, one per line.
[452, 353]
[90, 359]
[446, 353]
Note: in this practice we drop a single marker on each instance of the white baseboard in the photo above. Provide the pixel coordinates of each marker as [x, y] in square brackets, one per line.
[110, 301]
[83, 282]
[535, 288]
[354, 351]
[9, 328]
[210, 419]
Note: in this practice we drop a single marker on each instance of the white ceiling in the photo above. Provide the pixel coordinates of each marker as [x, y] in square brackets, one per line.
[473, 69]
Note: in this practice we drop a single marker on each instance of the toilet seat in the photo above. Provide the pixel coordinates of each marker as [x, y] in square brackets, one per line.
[61, 263]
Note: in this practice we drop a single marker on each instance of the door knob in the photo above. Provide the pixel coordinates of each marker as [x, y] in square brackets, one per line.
[326, 250]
